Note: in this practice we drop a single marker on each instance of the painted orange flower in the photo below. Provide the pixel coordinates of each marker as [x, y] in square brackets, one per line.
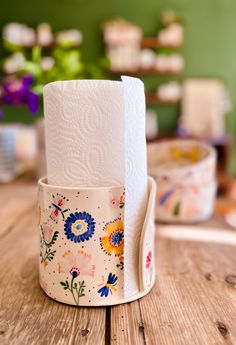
[114, 241]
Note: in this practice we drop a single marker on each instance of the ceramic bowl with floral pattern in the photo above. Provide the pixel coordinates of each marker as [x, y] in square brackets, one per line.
[185, 174]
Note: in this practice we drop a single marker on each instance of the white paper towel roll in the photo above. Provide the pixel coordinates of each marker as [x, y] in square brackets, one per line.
[95, 137]
[84, 126]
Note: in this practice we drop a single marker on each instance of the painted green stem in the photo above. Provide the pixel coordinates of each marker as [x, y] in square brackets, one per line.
[72, 292]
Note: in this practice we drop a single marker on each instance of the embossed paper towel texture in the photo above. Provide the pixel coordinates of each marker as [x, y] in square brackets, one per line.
[84, 133]
[135, 179]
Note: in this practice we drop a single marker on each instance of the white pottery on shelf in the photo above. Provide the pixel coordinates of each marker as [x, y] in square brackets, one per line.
[185, 174]
[8, 159]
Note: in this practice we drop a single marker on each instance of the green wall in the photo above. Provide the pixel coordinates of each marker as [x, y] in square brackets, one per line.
[210, 37]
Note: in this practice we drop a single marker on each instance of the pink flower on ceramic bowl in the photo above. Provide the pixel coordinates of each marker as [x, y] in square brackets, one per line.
[114, 203]
[76, 264]
[47, 233]
[148, 260]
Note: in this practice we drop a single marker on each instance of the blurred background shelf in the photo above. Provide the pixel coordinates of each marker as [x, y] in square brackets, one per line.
[83, 53]
[153, 42]
[153, 99]
[144, 72]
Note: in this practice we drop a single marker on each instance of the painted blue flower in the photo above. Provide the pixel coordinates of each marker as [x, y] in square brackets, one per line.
[79, 227]
[109, 286]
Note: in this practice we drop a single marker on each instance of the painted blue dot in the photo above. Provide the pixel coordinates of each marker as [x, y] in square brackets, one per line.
[74, 274]
[117, 238]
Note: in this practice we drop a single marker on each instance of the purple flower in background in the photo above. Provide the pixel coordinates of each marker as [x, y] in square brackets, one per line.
[17, 91]
[28, 80]
[32, 101]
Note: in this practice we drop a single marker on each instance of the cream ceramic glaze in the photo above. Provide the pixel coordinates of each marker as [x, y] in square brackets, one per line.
[185, 174]
[82, 244]
[185, 204]
[182, 161]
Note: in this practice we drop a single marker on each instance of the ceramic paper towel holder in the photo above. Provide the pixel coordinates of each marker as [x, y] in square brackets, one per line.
[82, 249]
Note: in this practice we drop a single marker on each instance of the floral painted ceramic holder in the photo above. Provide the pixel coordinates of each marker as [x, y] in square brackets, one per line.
[185, 173]
[185, 204]
[82, 244]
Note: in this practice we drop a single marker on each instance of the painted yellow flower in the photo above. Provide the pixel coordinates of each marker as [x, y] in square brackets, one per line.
[114, 241]
[179, 154]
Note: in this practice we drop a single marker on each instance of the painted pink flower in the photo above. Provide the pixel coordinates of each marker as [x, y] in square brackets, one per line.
[76, 264]
[47, 233]
[148, 260]
[114, 203]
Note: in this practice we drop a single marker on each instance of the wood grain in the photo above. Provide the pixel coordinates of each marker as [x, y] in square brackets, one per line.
[193, 301]
[126, 324]
[191, 298]
[27, 315]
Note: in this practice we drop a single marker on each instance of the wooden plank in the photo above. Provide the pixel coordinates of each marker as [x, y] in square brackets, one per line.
[27, 315]
[15, 200]
[191, 302]
[126, 325]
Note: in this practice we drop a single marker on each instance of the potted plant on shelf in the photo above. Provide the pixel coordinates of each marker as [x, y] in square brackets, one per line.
[32, 58]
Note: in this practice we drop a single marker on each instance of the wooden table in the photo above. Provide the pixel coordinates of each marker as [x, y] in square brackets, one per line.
[193, 301]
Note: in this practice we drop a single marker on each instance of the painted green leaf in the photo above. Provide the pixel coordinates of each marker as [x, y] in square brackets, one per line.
[176, 210]
[54, 238]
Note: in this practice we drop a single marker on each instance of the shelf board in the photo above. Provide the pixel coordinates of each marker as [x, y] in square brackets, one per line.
[161, 137]
[152, 43]
[141, 71]
[152, 98]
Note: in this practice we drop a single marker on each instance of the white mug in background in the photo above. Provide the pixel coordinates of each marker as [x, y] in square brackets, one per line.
[8, 161]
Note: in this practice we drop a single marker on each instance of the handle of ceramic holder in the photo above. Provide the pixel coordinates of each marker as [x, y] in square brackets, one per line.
[147, 241]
